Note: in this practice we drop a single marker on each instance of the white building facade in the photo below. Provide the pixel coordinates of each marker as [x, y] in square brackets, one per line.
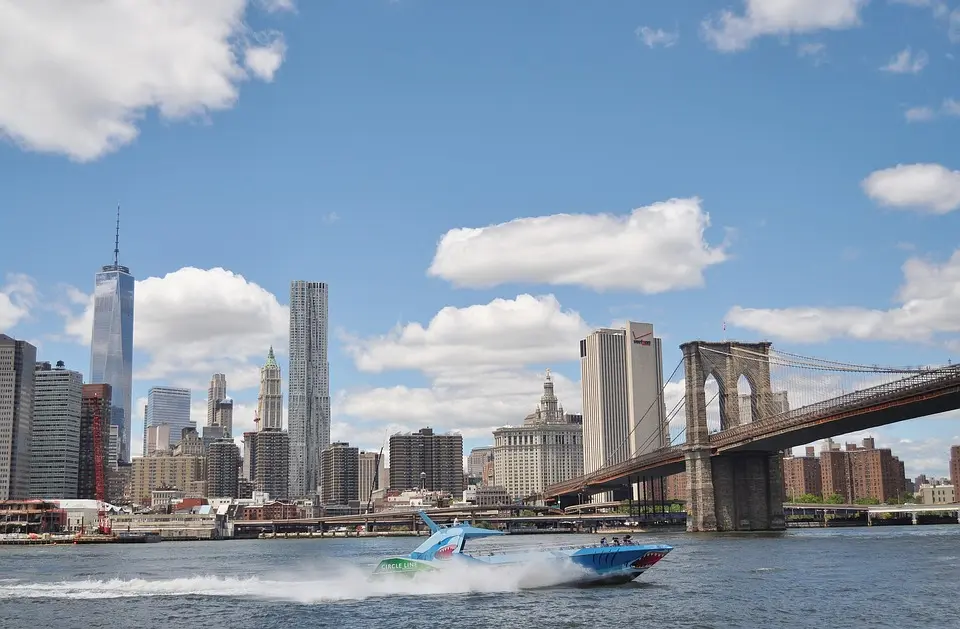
[546, 449]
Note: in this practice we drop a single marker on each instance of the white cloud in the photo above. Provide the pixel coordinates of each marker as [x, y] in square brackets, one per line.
[17, 297]
[76, 77]
[265, 60]
[484, 365]
[657, 37]
[929, 188]
[953, 26]
[949, 107]
[654, 249]
[816, 51]
[730, 32]
[929, 300]
[905, 62]
[193, 322]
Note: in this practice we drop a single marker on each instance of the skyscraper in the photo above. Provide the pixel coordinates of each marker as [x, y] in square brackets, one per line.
[215, 392]
[309, 385]
[170, 406]
[270, 400]
[623, 410]
[55, 444]
[17, 362]
[111, 346]
[438, 457]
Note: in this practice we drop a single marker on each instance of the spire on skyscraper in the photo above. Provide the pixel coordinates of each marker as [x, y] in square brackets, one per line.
[116, 240]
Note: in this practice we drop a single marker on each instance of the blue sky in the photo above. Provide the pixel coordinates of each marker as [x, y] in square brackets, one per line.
[342, 141]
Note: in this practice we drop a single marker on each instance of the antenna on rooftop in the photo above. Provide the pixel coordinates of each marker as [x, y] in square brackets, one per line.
[116, 241]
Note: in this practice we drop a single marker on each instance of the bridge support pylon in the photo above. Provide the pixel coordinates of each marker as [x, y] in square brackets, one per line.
[740, 491]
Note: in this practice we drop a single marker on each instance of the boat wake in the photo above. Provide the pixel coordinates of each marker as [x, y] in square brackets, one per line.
[346, 583]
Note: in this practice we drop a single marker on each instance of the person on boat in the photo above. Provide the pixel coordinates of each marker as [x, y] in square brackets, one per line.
[616, 541]
[626, 540]
[603, 541]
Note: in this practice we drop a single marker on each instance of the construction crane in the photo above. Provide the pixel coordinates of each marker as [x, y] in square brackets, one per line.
[103, 527]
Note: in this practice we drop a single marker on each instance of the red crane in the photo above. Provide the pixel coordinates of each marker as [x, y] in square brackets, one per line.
[98, 472]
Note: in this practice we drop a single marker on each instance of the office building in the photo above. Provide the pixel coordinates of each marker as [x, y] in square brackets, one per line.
[17, 362]
[111, 345]
[223, 468]
[270, 398]
[96, 400]
[158, 438]
[545, 450]
[439, 457]
[170, 406]
[248, 465]
[340, 463]
[190, 443]
[778, 404]
[309, 385]
[223, 416]
[623, 410]
[215, 392]
[55, 442]
[371, 474]
[477, 458]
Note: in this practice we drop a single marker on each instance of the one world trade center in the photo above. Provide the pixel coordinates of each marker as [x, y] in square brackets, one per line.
[111, 346]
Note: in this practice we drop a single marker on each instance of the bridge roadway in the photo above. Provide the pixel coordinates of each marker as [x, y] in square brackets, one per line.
[919, 395]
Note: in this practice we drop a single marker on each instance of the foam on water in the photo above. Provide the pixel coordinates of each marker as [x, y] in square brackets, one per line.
[337, 583]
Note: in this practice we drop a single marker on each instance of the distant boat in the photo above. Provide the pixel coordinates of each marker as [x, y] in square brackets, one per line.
[595, 564]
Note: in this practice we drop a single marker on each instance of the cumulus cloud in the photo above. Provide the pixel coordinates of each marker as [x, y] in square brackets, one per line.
[906, 62]
[930, 188]
[77, 77]
[654, 249]
[484, 366]
[950, 107]
[929, 300]
[17, 297]
[194, 322]
[657, 37]
[731, 32]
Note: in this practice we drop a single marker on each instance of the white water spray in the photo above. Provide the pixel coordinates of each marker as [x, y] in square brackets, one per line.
[344, 583]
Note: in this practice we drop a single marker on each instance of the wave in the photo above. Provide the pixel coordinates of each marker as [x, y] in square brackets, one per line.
[339, 583]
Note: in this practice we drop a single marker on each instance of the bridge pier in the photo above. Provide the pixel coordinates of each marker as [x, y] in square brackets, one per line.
[740, 491]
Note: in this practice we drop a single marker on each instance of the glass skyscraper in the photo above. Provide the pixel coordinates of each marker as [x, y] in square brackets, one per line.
[170, 406]
[308, 414]
[111, 346]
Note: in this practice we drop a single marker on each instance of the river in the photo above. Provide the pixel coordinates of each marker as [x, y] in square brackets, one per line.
[877, 577]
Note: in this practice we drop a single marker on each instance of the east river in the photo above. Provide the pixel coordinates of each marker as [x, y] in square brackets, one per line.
[864, 577]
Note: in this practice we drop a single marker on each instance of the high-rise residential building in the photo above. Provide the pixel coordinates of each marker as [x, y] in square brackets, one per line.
[223, 467]
[268, 452]
[223, 416]
[371, 470]
[859, 472]
[163, 470]
[476, 460]
[17, 362]
[55, 443]
[215, 392]
[96, 399]
[308, 409]
[545, 450]
[270, 399]
[159, 438]
[113, 448]
[170, 406]
[111, 346]
[802, 475]
[440, 457]
[622, 382]
[341, 476]
[955, 466]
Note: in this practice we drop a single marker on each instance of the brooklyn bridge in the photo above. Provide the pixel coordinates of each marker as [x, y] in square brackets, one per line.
[734, 465]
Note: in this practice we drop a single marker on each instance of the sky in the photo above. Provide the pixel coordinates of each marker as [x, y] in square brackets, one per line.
[481, 184]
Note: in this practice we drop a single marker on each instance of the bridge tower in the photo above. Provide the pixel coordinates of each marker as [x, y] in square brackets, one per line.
[739, 491]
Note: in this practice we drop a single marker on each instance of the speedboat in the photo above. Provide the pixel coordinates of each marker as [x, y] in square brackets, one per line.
[593, 564]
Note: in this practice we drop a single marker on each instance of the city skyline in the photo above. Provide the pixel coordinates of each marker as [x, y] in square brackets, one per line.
[474, 217]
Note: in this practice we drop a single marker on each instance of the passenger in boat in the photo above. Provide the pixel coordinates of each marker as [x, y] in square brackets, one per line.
[616, 541]
[603, 541]
[626, 540]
